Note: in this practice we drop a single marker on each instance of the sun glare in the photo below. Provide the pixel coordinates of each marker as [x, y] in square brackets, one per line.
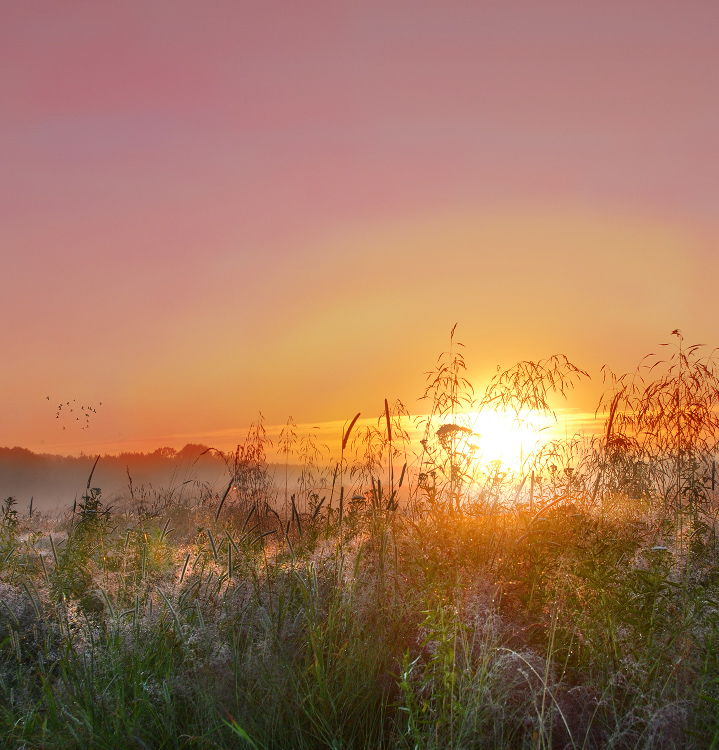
[502, 438]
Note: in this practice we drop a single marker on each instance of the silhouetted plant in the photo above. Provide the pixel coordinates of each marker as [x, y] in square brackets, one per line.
[9, 528]
[286, 444]
[251, 483]
[663, 428]
[449, 445]
[527, 386]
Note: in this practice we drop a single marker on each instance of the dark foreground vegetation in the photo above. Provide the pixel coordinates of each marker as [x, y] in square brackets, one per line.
[398, 596]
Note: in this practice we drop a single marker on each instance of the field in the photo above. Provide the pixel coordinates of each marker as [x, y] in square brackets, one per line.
[396, 595]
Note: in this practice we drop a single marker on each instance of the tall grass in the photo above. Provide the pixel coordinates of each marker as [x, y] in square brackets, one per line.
[398, 596]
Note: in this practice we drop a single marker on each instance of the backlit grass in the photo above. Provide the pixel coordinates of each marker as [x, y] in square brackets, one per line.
[398, 595]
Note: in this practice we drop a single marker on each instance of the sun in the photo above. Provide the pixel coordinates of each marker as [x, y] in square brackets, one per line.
[503, 438]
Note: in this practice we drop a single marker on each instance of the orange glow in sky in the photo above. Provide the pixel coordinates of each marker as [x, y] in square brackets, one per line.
[207, 211]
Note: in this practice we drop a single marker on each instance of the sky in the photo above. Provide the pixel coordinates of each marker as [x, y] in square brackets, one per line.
[208, 210]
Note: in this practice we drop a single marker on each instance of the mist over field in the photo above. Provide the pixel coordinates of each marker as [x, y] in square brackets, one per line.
[55, 482]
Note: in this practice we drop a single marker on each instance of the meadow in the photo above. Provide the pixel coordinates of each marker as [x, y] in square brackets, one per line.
[400, 594]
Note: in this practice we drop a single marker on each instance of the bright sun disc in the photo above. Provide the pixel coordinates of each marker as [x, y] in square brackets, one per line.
[502, 438]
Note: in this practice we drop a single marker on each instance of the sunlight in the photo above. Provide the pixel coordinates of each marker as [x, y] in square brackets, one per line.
[501, 438]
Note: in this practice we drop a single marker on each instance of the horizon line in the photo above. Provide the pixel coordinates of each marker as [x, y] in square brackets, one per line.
[227, 439]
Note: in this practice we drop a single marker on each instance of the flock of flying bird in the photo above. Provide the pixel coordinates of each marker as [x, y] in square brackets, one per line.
[84, 411]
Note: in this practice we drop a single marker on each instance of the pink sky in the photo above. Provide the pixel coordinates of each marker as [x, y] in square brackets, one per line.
[210, 209]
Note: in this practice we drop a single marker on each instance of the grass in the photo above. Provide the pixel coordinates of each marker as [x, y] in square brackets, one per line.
[401, 597]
